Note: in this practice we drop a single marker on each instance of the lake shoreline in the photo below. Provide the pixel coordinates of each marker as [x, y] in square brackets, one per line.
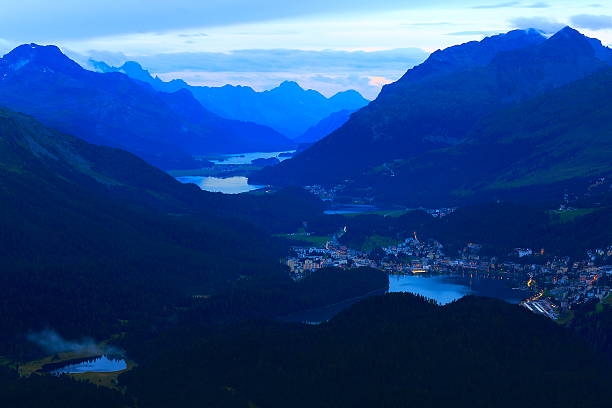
[290, 318]
[229, 173]
[442, 288]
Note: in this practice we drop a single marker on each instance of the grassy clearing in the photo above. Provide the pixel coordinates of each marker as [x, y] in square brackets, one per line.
[383, 213]
[568, 216]
[311, 240]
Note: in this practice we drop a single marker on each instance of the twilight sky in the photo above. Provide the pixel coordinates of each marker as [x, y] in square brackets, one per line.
[328, 45]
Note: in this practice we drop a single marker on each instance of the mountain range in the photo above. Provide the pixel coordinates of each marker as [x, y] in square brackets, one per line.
[288, 108]
[166, 129]
[107, 254]
[411, 143]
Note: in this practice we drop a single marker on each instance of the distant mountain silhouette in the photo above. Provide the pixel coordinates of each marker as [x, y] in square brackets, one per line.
[440, 104]
[114, 110]
[288, 108]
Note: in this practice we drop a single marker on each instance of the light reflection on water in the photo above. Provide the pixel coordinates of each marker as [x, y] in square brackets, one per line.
[227, 185]
[443, 289]
[448, 288]
[236, 184]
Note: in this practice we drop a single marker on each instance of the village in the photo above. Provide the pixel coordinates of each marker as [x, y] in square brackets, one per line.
[557, 286]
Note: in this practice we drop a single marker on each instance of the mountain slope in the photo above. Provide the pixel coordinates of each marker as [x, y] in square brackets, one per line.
[98, 228]
[438, 104]
[559, 142]
[111, 109]
[325, 127]
[288, 109]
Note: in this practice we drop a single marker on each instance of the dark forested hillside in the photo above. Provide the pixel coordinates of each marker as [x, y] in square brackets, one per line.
[391, 351]
[559, 142]
[442, 104]
[52, 392]
[114, 110]
[98, 227]
[324, 127]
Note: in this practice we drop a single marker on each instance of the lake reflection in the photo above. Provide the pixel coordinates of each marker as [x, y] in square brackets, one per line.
[443, 289]
[447, 288]
[227, 185]
[440, 288]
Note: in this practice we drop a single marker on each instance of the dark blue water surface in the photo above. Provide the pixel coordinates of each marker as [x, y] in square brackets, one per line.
[441, 288]
[101, 364]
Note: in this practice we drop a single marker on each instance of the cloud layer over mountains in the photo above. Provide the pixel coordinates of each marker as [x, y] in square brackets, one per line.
[330, 71]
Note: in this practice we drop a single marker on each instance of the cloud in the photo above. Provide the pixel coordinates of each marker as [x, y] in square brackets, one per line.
[429, 24]
[328, 71]
[195, 35]
[508, 4]
[379, 81]
[592, 22]
[50, 341]
[6, 46]
[37, 20]
[471, 33]
[515, 4]
[540, 23]
[497, 5]
[538, 5]
[274, 60]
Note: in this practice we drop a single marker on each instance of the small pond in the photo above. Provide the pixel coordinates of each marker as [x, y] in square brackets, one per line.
[98, 364]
